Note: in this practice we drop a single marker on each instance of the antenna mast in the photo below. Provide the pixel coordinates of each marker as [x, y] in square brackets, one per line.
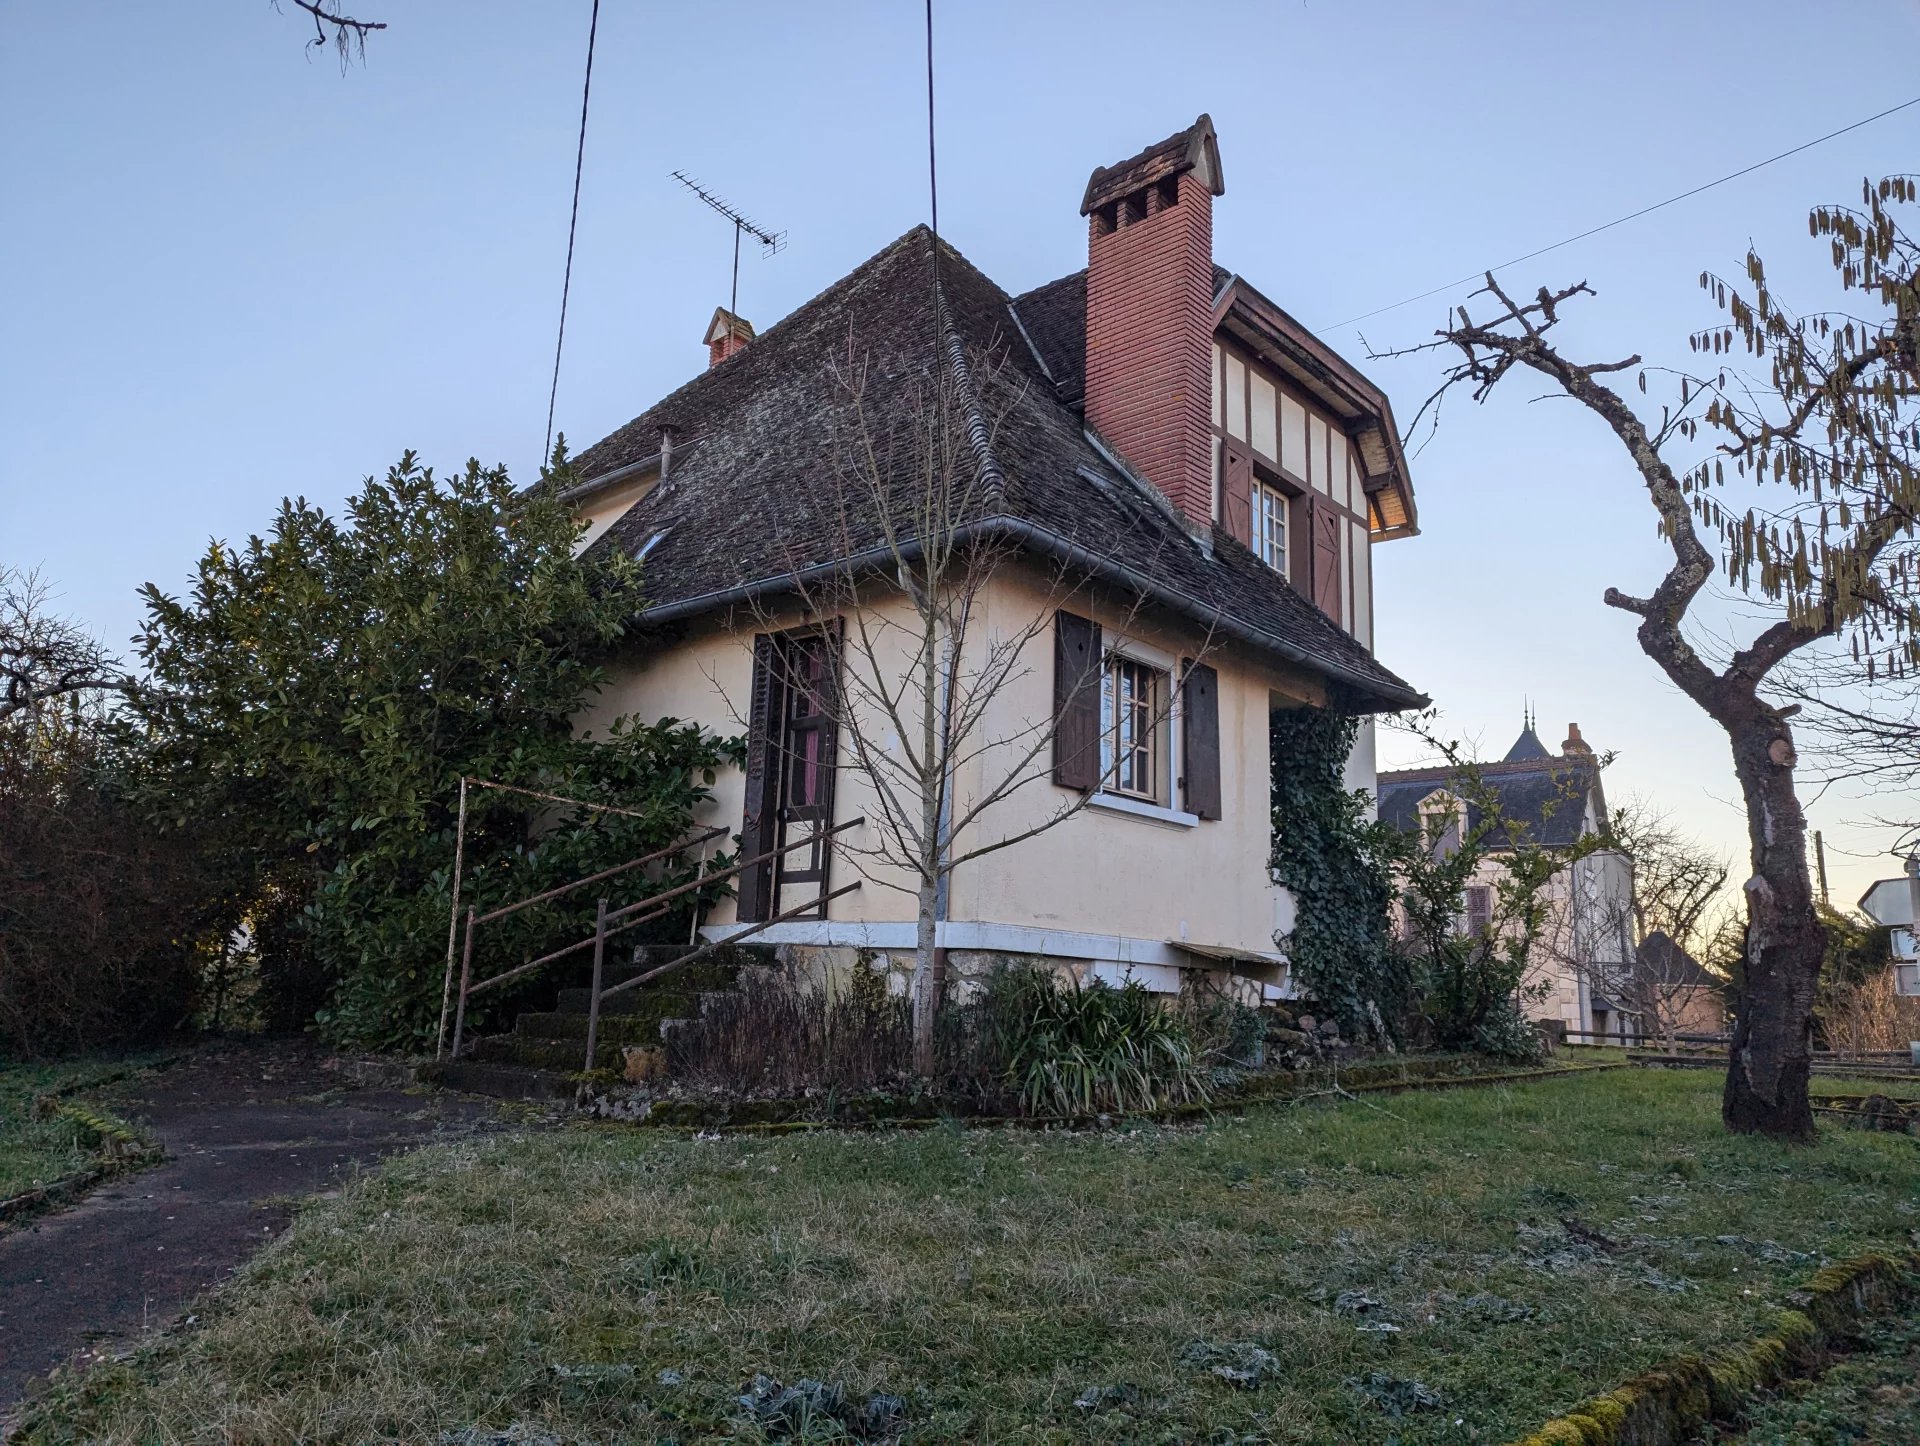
[772, 243]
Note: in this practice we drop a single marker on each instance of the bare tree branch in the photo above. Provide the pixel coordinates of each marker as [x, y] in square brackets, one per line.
[349, 36]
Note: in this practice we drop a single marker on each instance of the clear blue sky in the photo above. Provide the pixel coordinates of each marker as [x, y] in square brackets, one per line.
[232, 273]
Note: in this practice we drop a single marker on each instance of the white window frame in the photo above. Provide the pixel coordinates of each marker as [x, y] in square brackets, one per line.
[1269, 504]
[1161, 805]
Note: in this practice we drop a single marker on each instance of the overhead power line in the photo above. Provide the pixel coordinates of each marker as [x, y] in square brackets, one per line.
[1631, 216]
[573, 223]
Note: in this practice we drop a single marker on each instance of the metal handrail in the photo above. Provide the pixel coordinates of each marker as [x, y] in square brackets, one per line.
[599, 993]
[527, 903]
[474, 919]
[654, 906]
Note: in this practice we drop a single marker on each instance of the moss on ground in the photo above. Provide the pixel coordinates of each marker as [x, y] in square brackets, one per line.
[1438, 1267]
[47, 1131]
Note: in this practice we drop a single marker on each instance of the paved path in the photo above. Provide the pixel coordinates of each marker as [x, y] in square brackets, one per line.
[248, 1130]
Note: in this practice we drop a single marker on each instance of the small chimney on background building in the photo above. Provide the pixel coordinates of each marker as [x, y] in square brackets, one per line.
[1150, 313]
[1576, 746]
[726, 334]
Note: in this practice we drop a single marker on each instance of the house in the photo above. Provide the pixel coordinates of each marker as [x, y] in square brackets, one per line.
[1673, 993]
[1184, 487]
[1583, 960]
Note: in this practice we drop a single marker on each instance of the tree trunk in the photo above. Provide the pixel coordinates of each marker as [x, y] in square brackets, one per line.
[1772, 1054]
[926, 994]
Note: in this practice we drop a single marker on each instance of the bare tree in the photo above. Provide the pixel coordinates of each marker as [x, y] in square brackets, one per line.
[1808, 480]
[43, 656]
[1676, 879]
[921, 693]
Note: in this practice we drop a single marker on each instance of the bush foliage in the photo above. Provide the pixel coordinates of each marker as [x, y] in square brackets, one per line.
[315, 699]
[100, 914]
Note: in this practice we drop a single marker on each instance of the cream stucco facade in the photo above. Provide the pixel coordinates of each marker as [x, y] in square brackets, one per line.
[1117, 886]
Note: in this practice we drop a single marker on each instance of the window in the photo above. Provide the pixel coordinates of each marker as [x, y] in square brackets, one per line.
[1270, 527]
[1479, 910]
[1131, 715]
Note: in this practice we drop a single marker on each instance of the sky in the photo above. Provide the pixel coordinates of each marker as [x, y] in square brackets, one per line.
[234, 273]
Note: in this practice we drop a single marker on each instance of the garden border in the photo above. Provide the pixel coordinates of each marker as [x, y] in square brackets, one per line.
[1323, 1083]
[1668, 1403]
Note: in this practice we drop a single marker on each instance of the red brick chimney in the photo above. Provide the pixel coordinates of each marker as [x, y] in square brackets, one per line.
[726, 334]
[1149, 313]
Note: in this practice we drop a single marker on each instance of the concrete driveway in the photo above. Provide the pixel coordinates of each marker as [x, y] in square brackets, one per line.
[248, 1131]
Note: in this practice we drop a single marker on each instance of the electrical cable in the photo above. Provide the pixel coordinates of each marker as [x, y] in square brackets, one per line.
[1631, 216]
[573, 223]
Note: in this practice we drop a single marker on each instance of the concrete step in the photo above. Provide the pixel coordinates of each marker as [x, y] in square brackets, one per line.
[716, 971]
[530, 1052]
[645, 1004]
[614, 1028]
[498, 1081]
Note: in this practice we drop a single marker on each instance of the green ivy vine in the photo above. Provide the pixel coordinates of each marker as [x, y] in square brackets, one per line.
[1339, 866]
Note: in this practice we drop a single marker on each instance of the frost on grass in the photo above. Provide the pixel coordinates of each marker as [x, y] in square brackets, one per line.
[806, 1408]
[1239, 1363]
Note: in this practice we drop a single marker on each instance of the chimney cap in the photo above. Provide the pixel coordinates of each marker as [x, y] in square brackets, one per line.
[726, 324]
[1196, 148]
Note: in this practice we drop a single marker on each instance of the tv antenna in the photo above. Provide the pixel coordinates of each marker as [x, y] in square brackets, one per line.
[772, 243]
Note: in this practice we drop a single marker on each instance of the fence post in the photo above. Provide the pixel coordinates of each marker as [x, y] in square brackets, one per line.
[599, 966]
[453, 920]
[466, 978]
[693, 933]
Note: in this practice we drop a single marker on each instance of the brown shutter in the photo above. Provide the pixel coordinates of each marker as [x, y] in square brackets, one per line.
[1300, 544]
[1076, 701]
[834, 632]
[1236, 493]
[763, 773]
[1200, 738]
[1326, 560]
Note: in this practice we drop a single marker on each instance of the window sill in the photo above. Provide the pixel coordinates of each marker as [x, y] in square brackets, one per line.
[1139, 808]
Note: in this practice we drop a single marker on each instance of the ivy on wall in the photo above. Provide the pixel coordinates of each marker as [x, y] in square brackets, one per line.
[1339, 866]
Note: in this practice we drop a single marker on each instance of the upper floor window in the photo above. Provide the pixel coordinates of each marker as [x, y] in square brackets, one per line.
[1270, 527]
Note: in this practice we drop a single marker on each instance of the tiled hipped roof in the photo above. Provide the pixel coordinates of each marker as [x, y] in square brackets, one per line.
[757, 493]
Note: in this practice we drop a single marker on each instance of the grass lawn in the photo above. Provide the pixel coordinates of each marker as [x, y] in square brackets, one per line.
[1431, 1267]
[35, 1148]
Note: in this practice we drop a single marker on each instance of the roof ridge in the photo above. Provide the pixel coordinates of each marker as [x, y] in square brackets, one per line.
[979, 436]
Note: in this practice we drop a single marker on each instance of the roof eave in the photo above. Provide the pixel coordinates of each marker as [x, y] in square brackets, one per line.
[1243, 302]
[1360, 693]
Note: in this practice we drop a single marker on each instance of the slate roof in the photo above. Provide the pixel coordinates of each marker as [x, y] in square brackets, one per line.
[753, 496]
[1527, 747]
[1668, 965]
[1055, 319]
[1547, 797]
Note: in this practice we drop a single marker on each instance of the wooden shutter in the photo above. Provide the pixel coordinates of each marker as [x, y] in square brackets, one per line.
[757, 825]
[1200, 738]
[1076, 701]
[1236, 493]
[833, 633]
[1326, 560]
